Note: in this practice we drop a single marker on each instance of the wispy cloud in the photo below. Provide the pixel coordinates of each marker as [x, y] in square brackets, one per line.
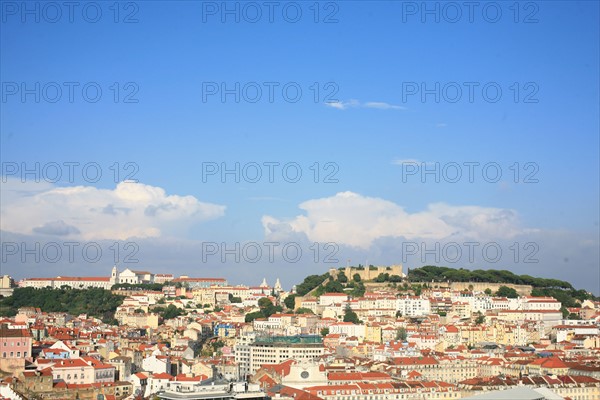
[406, 161]
[383, 106]
[353, 103]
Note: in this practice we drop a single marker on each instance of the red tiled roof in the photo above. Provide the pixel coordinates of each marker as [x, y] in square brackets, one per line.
[73, 278]
[14, 333]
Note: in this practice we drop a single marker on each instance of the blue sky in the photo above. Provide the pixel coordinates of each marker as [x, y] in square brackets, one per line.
[370, 56]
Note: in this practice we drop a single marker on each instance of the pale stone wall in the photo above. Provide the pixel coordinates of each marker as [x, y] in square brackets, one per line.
[368, 274]
[522, 290]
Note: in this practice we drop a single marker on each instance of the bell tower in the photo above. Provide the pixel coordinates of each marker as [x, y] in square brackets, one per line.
[114, 276]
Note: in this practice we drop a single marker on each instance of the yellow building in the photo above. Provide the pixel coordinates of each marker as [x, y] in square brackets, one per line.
[373, 333]
[140, 320]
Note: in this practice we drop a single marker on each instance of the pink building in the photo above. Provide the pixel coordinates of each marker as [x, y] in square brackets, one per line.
[73, 371]
[15, 347]
[102, 372]
[15, 343]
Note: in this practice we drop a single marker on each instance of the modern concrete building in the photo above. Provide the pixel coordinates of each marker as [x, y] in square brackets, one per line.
[276, 349]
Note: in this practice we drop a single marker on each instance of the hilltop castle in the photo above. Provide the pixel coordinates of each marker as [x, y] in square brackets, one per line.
[368, 273]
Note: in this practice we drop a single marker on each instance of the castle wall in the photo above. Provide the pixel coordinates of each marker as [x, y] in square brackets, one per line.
[368, 274]
[522, 290]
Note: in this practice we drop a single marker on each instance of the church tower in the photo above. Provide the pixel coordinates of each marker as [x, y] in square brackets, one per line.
[278, 286]
[114, 276]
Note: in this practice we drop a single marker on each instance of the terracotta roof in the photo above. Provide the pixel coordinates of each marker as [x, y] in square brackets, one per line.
[14, 333]
[73, 278]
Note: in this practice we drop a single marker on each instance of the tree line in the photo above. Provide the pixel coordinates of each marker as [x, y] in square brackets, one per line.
[95, 302]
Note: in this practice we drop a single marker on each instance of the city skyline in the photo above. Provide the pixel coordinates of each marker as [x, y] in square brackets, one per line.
[299, 200]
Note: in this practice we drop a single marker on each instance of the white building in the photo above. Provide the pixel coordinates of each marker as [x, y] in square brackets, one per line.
[274, 350]
[532, 303]
[86, 282]
[333, 298]
[412, 306]
[156, 364]
[348, 329]
[133, 277]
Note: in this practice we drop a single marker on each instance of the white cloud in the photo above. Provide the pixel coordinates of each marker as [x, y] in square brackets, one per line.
[129, 210]
[352, 219]
[344, 105]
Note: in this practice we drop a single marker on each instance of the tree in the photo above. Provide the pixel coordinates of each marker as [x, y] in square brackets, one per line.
[304, 310]
[266, 309]
[252, 316]
[138, 286]
[172, 312]
[401, 334]
[95, 302]
[505, 291]
[417, 289]
[350, 316]
[330, 287]
[488, 291]
[342, 278]
[309, 283]
[428, 273]
[358, 290]
[290, 301]
[324, 331]
[264, 302]
[356, 277]
[480, 318]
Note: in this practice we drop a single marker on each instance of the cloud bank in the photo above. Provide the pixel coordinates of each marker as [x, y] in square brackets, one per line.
[88, 213]
[352, 219]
